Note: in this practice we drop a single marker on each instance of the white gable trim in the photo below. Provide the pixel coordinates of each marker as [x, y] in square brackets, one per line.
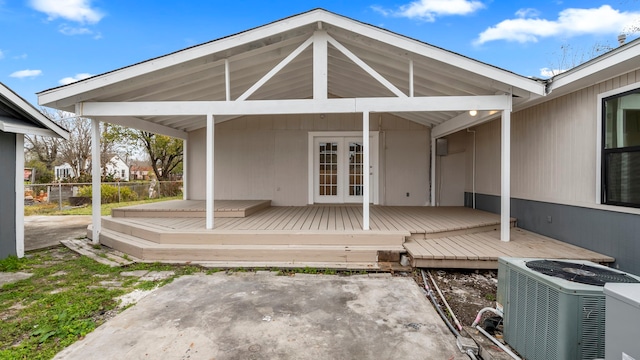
[33, 114]
[15, 126]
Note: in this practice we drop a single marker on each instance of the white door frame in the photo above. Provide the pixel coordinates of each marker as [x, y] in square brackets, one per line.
[374, 162]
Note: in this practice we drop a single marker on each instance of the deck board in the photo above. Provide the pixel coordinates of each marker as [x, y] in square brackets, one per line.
[433, 236]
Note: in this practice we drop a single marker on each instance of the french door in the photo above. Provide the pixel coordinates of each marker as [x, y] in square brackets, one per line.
[338, 175]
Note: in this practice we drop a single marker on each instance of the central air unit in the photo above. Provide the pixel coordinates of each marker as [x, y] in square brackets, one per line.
[555, 309]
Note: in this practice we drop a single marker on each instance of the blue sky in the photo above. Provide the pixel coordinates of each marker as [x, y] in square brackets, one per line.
[46, 43]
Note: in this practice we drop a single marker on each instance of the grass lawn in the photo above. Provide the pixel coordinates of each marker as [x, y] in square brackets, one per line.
[67, 297]
[52, 208]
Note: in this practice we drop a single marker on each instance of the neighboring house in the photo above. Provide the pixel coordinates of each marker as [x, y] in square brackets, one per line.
[17, 118]
[116, 167]
[320, 108]
[141, 172]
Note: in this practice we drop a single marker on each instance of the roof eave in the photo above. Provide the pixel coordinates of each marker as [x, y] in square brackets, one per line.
[623, 59]
[32, 113]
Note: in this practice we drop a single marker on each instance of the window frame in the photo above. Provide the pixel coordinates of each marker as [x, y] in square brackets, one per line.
[601, 158]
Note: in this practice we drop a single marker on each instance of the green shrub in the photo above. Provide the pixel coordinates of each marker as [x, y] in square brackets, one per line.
[109, 193]
[170, 188]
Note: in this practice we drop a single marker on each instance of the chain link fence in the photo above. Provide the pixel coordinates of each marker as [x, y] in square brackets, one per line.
[78, 194]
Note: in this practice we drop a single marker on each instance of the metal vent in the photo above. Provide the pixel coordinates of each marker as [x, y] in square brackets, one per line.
[593, 326]
[579, 272]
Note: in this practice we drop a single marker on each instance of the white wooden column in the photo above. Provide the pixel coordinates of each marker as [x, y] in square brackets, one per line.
[185, 166]
[210, 193]
[366, 149]
[96, 201]
[19, 195]
[320, 65]
[505, 174]
[433, 171]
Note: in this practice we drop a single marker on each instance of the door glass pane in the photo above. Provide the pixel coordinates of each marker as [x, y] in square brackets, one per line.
[328, 170]
[355, 169]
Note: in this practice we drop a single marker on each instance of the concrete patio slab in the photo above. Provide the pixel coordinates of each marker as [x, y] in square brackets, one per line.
[263, 316]
[44, 231]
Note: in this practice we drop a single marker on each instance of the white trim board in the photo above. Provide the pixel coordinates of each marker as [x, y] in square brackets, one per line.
[19, 214]
[601, 96]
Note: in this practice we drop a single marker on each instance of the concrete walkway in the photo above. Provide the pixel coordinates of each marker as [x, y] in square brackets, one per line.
[44, 231]
[264, 316]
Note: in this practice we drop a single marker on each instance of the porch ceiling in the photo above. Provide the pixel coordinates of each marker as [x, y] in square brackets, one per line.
[200, 73]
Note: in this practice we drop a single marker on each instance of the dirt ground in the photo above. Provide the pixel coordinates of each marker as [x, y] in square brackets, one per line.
[467, 292]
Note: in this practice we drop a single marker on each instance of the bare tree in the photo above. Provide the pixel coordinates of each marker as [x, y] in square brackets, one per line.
[165, 153]
[44, 149]
[77, 150]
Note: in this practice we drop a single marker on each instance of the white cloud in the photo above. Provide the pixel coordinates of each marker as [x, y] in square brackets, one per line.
[20, 57]
[70, 30]
[77, 77]
[546, 72]
[429, 10]
[570, 22]
[529, 12]
[1, 54]
[74, 10]
[26, 74]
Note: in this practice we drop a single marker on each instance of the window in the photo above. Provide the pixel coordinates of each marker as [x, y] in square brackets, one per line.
[621, 149]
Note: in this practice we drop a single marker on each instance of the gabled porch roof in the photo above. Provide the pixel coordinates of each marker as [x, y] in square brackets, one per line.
[317, 55]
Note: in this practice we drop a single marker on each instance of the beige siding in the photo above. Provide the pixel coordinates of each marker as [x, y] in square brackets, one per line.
[196, 153]
[553, 150]
[407, 163]
[265, 157]
[451, 170]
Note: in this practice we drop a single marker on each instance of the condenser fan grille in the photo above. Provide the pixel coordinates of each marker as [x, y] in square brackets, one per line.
[580, 273]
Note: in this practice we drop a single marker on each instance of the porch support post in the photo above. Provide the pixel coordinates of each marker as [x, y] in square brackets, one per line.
[210, 193]
[19, 179]
[185, 150]
[365, 170]
[505, 173]
[433, 171]
[95, 182]
[320, 65]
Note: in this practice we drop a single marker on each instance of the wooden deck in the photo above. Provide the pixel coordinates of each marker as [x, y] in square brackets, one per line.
[193, 209]
[317, 235]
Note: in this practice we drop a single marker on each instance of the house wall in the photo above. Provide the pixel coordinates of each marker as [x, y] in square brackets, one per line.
[452, 175]
[7, 195]
[553, 175]
[266, 157]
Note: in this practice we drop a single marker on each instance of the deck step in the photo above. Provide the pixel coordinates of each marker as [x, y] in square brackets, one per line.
[472, 229]
[192, 209]
[482, 250]
[258, 237]
[336, 254]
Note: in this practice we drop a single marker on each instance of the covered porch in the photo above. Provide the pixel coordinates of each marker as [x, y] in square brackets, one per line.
[310, 110]
[325, 236]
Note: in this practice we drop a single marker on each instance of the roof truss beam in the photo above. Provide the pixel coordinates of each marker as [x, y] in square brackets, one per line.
[296, 106]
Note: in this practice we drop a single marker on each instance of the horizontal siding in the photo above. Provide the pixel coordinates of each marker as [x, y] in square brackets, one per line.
[265, 157]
